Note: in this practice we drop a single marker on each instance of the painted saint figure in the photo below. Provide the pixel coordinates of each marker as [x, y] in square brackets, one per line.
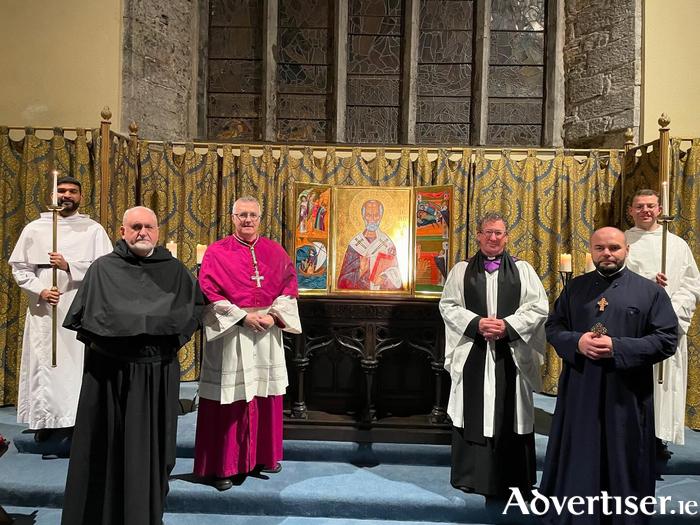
[303, 213]
[370, 260]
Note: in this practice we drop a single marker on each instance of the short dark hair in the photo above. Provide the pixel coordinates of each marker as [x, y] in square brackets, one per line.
[69, 180]
[491, 216]
[646, 193]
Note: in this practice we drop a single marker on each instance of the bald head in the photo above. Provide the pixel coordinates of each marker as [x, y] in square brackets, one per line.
[609, 249]
[140, 230]
[139, 210]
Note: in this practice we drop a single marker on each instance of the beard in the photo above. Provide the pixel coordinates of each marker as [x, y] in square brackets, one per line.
[69, 206]
[609, 270]
[141, 247]
[371, 226]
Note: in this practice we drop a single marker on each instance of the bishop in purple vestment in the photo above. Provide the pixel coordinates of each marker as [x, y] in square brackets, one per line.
[252, 285]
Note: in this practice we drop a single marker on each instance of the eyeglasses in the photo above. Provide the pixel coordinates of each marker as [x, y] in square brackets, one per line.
[640, 207]
[496, 233]
[246, 216]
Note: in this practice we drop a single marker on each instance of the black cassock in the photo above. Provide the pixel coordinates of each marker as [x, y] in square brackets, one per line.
[133, 314]
[602, 436]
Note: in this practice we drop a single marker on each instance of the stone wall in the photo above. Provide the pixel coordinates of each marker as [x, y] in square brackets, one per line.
[159, 74]
[603, 71]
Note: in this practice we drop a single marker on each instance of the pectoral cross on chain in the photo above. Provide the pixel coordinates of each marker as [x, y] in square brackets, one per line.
[257, 277]
[602, 304]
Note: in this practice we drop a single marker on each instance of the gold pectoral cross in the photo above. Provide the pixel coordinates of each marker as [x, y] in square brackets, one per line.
[602, 304]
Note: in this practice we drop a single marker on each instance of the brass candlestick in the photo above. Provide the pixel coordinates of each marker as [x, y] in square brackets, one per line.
[565, 277]
[54, 288]
[664, 220]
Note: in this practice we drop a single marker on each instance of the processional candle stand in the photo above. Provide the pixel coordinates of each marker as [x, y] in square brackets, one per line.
[664, 220]
[55, 208]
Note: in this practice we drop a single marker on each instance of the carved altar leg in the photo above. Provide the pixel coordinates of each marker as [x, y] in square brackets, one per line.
[439, 413]
[369, 413]
[300, 364]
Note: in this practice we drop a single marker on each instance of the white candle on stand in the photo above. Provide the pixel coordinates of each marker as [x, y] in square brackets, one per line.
[201, 248]
[172, 247]
[664, 189]
[565, 262]
[589, 263]
[54, 193]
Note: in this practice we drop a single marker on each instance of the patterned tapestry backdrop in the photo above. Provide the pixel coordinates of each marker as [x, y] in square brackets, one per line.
[25, 167]
[552, 204]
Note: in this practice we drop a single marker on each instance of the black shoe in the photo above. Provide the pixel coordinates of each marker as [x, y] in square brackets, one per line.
[275, 470]
[222, 484]
[662, 452]
[43, 434]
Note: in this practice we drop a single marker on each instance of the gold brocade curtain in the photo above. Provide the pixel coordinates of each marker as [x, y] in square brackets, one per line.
[684, 198]
[123, 190]
[182, 190]
[642, 173]
[25, 168]
[552, 207]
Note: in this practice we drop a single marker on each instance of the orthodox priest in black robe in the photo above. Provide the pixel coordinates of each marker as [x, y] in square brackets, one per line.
[135, 308]
[609, 327]
[494, 307]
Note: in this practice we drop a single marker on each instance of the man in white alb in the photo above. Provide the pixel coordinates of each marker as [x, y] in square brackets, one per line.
[682, 282]
[48, 397]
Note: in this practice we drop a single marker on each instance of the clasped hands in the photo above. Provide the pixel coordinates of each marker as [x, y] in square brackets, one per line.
[492, 329]
[595, 346]
[258, 323]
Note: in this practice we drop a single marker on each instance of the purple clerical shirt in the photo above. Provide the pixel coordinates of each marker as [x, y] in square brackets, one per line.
[227, 269]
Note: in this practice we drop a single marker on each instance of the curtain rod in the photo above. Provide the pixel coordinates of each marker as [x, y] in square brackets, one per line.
[49, 128]
[452, 150]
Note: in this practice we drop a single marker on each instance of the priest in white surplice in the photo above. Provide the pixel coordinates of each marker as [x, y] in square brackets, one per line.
[48, 397]
[494, 307]
[682, 282]
[252, 285]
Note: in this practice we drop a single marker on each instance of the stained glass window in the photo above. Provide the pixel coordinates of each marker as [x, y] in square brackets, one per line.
[374, 70]
[235, 70]
[445, 63]
[516, 72]
[304, 70]
[514, 76]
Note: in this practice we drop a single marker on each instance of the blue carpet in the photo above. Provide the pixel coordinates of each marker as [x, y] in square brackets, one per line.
[41, 516]
[329, 482]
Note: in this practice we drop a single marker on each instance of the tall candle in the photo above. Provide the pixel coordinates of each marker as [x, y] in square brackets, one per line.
[589, 263]
[201, 248]
[664, 192]
[172, 247]
[54, 193]
[565, 262]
